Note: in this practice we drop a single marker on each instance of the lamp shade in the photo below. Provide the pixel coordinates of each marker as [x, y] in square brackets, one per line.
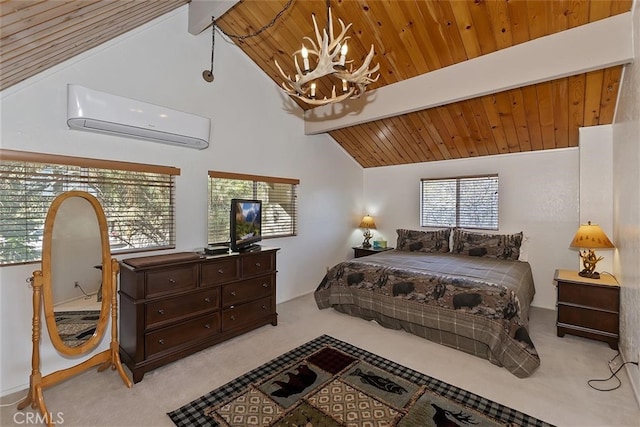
[367, 222]
[591, 236]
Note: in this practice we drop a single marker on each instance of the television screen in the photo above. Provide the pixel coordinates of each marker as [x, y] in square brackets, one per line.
[246, 223]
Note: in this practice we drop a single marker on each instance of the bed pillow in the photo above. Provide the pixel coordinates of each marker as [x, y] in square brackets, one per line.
[423, 241]
[502, 246]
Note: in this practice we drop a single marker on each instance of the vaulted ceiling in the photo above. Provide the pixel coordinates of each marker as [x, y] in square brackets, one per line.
[411, 38]
[38, 34]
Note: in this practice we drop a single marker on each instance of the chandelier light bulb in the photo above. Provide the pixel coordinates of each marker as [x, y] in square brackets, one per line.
[343, 53]
[305, 58]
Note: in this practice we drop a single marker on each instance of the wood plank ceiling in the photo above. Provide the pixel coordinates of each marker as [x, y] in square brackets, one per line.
[36, 35]
[411, 37]
[416, 37]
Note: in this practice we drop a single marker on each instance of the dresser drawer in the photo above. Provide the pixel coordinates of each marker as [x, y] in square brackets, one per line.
[602, 297]
[257, 263]
[240, 315]
[248, 290]
[592, 319]
[194, 330]
[168, 309]
[216, 272]
[169, 280]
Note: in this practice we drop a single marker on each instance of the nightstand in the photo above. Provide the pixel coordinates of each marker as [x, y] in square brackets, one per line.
[588, 308]
[359, 251]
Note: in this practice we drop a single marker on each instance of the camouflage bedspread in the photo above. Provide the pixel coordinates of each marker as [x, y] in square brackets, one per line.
[475, 304]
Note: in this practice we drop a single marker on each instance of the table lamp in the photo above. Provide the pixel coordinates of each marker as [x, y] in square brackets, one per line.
[367, 223]
[590, 236]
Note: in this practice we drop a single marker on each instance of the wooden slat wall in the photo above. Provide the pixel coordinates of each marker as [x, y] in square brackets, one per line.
[36, 35]
[542, 116]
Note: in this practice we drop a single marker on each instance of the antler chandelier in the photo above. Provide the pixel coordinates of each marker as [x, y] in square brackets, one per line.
[327, 57]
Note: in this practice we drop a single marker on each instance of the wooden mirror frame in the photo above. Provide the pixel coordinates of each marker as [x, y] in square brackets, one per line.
[47, 274]
[42, 294]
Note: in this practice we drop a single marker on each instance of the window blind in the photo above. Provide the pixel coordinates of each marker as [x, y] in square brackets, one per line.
[137, 199]
[279, 203]
[469, 202]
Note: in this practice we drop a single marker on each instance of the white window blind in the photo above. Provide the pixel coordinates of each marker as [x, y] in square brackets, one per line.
[279, 203]
[137, 199]
[469, 202]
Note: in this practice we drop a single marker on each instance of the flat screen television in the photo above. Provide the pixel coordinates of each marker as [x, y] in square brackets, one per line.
[245, 224]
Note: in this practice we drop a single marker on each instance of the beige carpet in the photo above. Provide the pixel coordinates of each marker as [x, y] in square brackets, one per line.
[557, 393]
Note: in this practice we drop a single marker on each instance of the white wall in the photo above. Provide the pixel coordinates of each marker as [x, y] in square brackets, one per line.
[252, 132]
[538, 196]
[626, 206]
[596, 187]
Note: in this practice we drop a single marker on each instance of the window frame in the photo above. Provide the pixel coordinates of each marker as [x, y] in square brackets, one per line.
[91, 165]
[255, 180]
[492, 205]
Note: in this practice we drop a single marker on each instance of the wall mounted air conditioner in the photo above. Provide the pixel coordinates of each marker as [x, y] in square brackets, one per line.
[94, 111]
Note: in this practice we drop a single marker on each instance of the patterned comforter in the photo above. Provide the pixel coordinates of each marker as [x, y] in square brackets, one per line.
[475, 304]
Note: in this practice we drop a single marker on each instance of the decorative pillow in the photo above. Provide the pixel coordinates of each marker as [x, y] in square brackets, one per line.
[423, 241]
[503, 246]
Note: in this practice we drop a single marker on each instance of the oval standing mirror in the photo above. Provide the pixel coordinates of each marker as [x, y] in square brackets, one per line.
[74, 262]
[77, 288]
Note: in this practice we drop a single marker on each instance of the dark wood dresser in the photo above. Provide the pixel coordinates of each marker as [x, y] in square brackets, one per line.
[588, 307]
[174, 305]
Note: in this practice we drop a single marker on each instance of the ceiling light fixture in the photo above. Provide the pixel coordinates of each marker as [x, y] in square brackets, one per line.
[327, 57]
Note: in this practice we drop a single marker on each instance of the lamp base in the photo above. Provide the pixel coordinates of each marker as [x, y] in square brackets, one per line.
[367, 237]
[589, 274]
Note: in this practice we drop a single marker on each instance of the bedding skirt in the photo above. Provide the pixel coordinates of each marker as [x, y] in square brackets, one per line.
[474, 304]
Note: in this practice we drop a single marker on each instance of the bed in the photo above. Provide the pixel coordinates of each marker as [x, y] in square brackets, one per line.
[465, 290]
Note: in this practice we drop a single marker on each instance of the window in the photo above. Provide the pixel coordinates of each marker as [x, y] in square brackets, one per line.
[470, 202]
[279, 203]
[137, 199]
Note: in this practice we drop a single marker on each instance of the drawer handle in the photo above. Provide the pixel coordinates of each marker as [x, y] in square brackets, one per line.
[207, 299]
[220, 271]
[161, 311]
[207, 326]
[233, 293]
[257, 264]
[172, 281]
[264, 307]
[161, 341]
[232, 317]
[264, 285]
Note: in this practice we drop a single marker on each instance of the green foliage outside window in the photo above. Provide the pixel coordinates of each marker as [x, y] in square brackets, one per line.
[138, 206]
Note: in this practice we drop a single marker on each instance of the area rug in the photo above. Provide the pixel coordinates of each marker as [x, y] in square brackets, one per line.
[76, 327]
[327, 382]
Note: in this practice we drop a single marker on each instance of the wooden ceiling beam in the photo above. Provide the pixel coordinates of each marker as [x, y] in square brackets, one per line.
[594, 46]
